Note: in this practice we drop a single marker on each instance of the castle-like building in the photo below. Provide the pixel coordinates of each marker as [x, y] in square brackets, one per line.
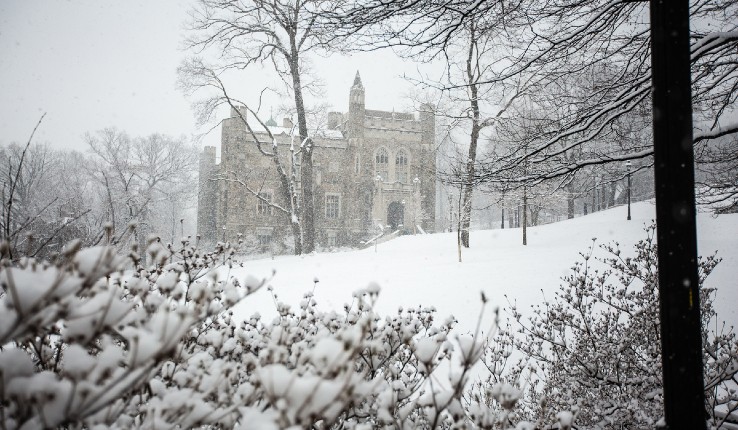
[372, 170]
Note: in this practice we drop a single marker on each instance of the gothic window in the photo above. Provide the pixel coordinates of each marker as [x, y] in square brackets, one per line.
[401, 166]
[381, 163]
[332, 206]
[262, 207]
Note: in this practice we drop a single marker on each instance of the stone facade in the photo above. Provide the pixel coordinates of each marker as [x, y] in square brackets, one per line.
[371, 168]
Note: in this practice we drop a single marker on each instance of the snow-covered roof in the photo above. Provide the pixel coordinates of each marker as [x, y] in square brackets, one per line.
[320, 134]
[329, 134]
[277, 130]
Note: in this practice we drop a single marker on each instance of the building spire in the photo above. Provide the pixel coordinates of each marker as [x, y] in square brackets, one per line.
[357, 80]
[271, 122]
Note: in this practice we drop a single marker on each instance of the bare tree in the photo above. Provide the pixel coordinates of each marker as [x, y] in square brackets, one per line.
[717, 174]
[469, 106]
[250, 32]
[41, 204]
[136, 176]
[603, 44]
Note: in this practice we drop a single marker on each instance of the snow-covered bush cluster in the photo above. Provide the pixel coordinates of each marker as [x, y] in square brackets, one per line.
[95, 339]
[84, 334]
[595, 347]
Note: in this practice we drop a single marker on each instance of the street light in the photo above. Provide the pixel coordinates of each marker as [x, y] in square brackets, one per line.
[416, 189]
[401, 226]
[450, 213]
[627, 166]
[378, 185]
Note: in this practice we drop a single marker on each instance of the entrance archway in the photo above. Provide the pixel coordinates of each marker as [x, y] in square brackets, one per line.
[395, 215]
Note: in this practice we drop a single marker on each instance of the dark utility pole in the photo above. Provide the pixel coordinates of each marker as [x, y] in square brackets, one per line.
[681, 342]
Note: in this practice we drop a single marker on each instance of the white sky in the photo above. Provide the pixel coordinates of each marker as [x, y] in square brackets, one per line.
[92, 64]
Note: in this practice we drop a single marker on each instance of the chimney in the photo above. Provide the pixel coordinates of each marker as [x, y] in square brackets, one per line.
[242, 109]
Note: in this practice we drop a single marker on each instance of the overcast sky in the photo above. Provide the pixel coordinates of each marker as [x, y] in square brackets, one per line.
[92, 64]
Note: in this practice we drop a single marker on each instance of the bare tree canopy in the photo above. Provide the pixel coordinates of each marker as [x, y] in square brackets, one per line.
[602, 47]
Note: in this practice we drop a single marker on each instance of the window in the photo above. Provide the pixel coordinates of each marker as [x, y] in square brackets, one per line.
[357, 164]
[381, 163]
[332, 206]
[264, 239]
[331, 239]
[262, 207]
[401, 167]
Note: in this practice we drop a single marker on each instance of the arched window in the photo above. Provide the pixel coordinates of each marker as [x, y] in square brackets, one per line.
[401, 167]
[381, 163]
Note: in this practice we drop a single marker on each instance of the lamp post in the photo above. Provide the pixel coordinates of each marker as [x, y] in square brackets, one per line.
[378, 185]
[401, 226]
[450, 214]
[627, 166]
[416, 189]
[224, 232]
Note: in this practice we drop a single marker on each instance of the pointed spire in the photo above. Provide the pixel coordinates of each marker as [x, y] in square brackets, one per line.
[357, 80]
[271, 122]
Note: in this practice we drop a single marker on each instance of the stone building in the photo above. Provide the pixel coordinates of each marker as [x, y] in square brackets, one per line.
[372, 170]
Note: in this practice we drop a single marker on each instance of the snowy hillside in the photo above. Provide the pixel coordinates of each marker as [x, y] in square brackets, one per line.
[424, 270]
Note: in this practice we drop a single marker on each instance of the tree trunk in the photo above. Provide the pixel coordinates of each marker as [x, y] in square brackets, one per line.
[293, 218]
[458, 229]
[613, 189]
[306, 162]
[570, 201]
[471, 159]
[535, 211]
[502, 212]
[603, 196]
[525, 216]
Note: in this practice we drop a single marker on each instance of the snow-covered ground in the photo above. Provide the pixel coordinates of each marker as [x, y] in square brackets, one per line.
[424, 270]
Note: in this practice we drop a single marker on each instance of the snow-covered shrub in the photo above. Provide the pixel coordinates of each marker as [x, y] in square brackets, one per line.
[83, 334]
[314, 369]
[94, 339]
[595, 348]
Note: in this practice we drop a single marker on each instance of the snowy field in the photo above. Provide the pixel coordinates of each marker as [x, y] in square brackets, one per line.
[424, 270]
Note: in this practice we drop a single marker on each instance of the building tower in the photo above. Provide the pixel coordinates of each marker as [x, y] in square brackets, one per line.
[356, 110]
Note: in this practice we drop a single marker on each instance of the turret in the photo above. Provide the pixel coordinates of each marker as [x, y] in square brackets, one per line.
[356, 109]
